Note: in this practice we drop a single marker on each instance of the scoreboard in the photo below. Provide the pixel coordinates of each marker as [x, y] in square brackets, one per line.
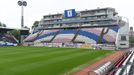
[69, 13]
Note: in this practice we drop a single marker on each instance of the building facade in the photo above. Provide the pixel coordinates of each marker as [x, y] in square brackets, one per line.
[96, 26]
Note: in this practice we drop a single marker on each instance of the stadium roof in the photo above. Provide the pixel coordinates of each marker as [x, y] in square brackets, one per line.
[4, 29]
[75, 27]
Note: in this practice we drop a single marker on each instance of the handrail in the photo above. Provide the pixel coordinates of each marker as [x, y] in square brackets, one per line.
[127, 70]
[125, 62]
[118, 71]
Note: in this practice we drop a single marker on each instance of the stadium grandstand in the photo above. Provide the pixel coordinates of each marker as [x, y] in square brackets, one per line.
[6, 38]
[101, 27]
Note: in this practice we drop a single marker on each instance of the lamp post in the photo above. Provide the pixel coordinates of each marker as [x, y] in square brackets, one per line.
[131, 36]
[22, 4]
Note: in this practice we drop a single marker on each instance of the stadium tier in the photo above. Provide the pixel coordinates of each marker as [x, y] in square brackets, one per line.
[91, 34]
[97, 26]
[7, 40]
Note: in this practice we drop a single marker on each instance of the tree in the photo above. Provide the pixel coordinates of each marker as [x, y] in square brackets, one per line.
[131, 37]
[16, 34]
[35, 24]
[26, 27]
[2, 24]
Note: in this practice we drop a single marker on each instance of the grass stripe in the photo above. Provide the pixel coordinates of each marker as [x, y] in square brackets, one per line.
[44, 60]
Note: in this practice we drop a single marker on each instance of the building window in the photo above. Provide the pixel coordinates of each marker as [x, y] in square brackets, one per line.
[123, 38]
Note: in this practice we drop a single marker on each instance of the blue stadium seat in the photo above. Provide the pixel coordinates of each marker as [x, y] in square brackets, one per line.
[7, 40]
[90, 35]
[68, 31]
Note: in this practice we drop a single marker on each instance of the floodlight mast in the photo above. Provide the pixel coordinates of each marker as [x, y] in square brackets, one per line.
[22, 4]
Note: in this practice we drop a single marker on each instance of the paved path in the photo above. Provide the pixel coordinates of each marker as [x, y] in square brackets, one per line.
[113, 57]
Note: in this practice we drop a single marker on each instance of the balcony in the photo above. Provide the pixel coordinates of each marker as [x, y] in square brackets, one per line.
[52, 18]
[92, 14]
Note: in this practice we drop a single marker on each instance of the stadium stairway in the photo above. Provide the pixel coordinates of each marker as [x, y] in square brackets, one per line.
[109, 36]
[55, 35]
[16, 41]
[7, 40]
[31, 37]
[65, 36]
[40, 32]
[87, 37]
[45, 36]
[78, 30]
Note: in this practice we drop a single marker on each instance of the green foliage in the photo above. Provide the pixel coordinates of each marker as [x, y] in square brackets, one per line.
[35, 24]
[131, 41]
[16, 34]
[45, 61]
[26, 27]
[3, 25]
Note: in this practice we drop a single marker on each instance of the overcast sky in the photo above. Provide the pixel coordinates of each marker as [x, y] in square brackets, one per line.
[10, 11]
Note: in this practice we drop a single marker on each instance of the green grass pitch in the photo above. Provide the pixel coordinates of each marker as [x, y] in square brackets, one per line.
[44, 60]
